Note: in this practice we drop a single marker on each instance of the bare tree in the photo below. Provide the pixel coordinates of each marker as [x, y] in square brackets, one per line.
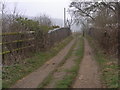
[104, 18]
[44, 20]
[70, 20]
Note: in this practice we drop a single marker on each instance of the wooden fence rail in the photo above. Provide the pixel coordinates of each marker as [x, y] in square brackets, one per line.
[17, 46]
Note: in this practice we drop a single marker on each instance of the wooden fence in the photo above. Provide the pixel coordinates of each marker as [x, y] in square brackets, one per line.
[17, 46]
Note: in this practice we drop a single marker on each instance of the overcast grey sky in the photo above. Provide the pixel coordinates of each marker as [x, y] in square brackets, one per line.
[53, 8]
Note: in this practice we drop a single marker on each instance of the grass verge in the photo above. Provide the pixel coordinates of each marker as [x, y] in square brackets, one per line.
[108, 66]
[72, 73]
[11, 74]
[49, 78]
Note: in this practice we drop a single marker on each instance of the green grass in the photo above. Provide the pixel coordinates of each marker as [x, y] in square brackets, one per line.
[72, 73]
[49, 78]
[109, 69]
[68, 54]
[13, 73]
[46, 80]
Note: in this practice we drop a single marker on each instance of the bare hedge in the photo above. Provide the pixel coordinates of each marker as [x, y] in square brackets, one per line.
[17, 46]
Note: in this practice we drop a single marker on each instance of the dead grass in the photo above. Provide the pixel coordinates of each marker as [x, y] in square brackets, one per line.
[109, 66]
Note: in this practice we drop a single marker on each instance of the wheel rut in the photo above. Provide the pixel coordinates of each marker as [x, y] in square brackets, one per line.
[35, 78]
[88, 74]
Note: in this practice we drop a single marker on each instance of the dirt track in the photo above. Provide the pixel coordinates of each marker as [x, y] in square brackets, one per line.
[36, 77]
[60, 73]
[88, 75]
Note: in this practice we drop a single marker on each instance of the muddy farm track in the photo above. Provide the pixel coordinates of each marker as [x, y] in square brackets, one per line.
[88, 75]
[35, 78]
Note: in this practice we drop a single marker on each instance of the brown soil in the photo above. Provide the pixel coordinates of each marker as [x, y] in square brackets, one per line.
[60, 72]
[88, 75]
[36, 77]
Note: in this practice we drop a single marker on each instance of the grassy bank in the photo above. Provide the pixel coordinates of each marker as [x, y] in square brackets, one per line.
[13, 73]
[72, 73]
[108, 65]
